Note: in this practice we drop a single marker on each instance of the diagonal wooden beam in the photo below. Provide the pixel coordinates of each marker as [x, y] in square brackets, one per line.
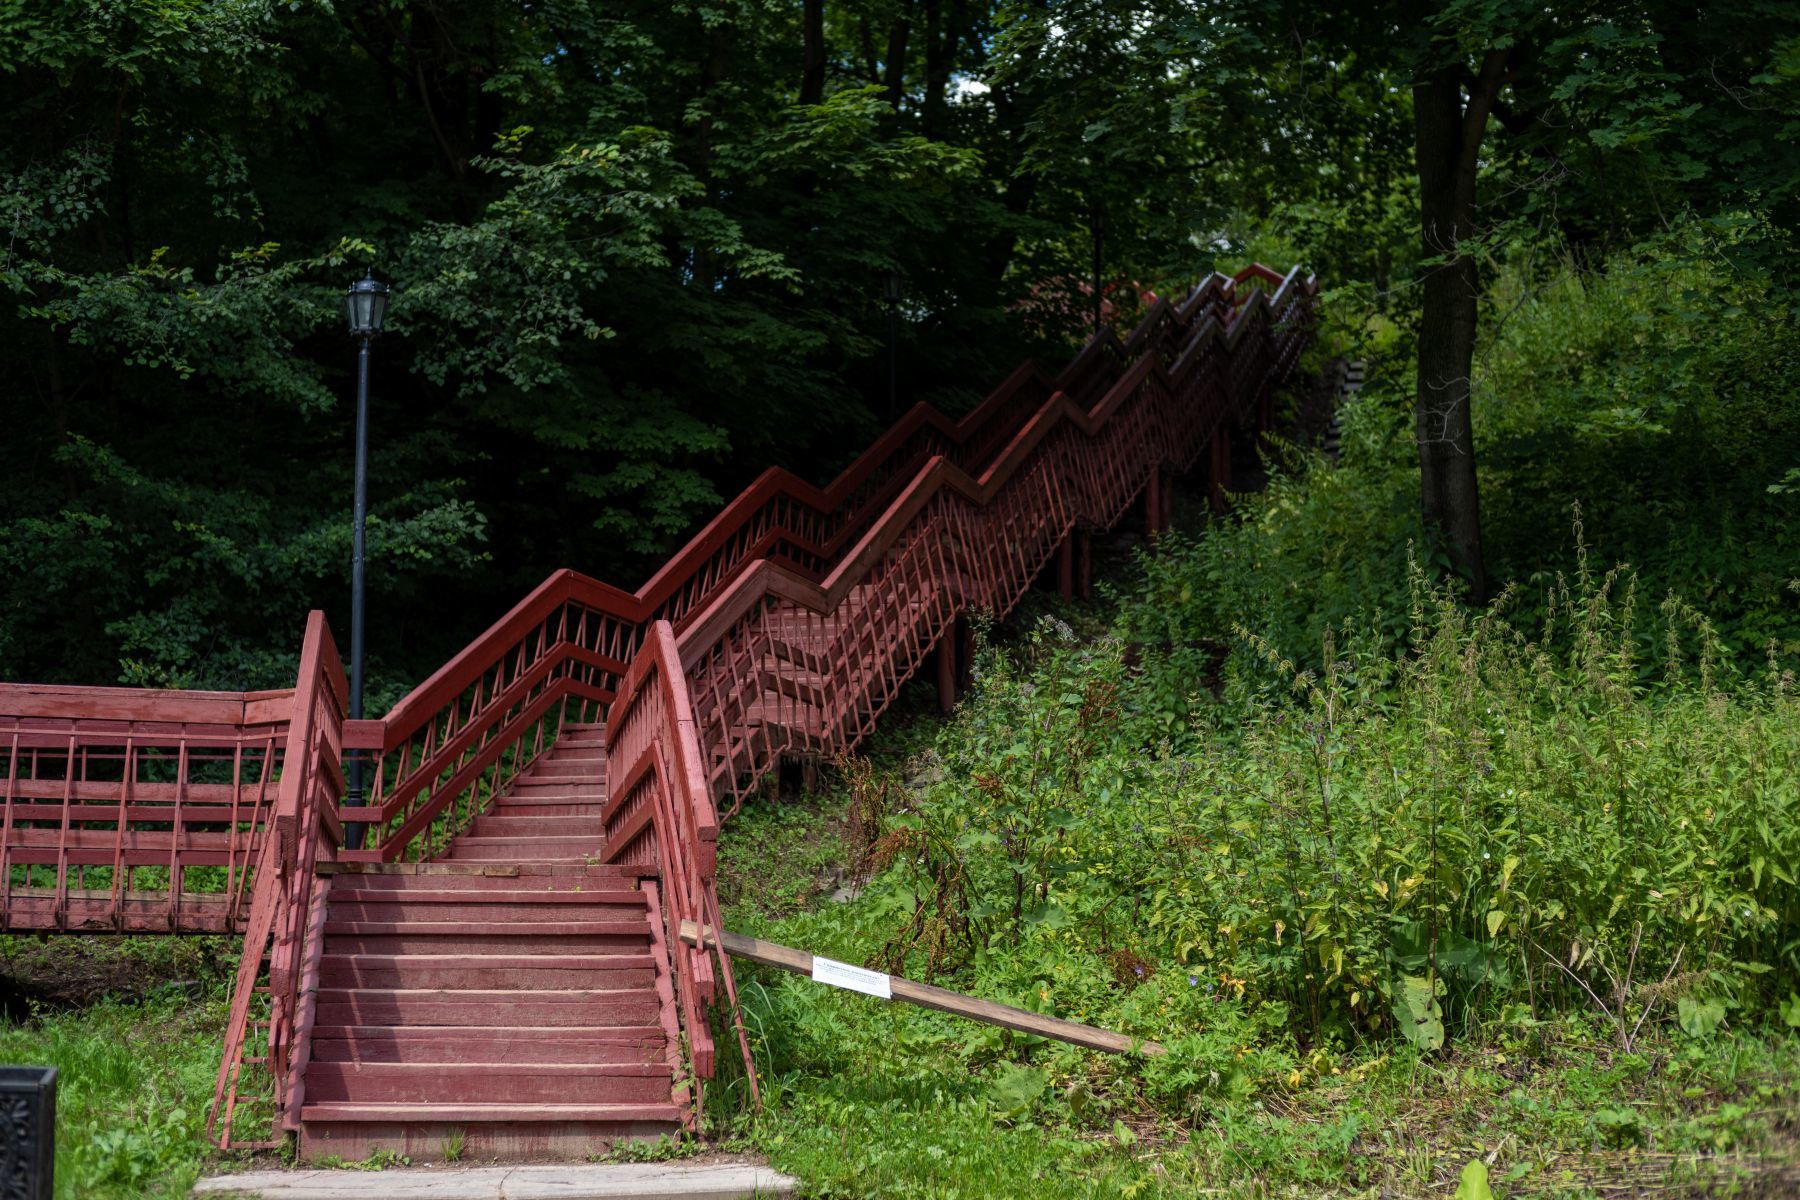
[925, 996]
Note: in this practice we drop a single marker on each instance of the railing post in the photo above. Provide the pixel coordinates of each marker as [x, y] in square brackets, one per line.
[1084, 564]
[1065, 567]
[946, 668]
[1153, 503]
[1219, 477]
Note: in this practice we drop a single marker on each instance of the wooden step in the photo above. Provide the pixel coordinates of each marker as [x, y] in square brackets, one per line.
[547, 806]
[488, 1083]
[509, 824]
[539, 972]
[470, 883]
[616, 927]
[482, 1132]
[585, 770]
[542, 872]
[524, 849]
[398, 906]
[448, 1007]
[587, 752]
[473, 1113]
[476, 1043]
[585, 789]
[432, 937]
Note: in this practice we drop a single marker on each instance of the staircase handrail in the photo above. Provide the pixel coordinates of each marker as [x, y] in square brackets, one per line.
[524, 680]
[285, 924]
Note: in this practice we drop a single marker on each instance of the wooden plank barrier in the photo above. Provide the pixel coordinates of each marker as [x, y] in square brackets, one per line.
[925, 996]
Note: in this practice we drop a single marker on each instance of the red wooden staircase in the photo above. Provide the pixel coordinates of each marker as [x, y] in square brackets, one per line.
[491, 961]
[510, 997]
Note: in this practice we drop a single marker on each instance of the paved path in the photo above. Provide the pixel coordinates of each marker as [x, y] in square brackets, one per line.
[573, 1181]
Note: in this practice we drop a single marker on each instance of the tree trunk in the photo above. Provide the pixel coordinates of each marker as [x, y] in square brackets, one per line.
[1447, 139]
[812, 75]
[895, 66]
[942, 40]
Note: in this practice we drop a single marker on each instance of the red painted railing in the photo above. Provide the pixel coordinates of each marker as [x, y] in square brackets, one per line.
[129, 810]
[785, 626]
[461, 735]
[268, 1034]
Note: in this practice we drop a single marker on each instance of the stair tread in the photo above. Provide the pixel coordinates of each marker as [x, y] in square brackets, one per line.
[565, 961]
[594, 1033]
[470, 928]
[595, 896]
[407, 1111]
[643, 1070]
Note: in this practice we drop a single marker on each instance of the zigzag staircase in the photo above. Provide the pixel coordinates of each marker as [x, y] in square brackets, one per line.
[480, 955]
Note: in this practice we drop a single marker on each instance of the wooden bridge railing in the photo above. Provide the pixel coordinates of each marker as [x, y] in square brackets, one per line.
[131, 810]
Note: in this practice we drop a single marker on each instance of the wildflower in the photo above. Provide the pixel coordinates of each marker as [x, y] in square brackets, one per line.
[1193, 981]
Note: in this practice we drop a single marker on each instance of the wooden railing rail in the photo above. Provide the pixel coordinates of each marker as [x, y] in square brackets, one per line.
[133, 810]
[268, 1032]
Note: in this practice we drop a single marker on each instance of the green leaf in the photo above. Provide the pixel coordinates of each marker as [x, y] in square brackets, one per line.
[1017, 1089]
[1699, 1018]
[1790, 1010]
[1416, 1009]
[1474, 1183]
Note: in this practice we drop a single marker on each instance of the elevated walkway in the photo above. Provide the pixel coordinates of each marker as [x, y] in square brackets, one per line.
[494, 963]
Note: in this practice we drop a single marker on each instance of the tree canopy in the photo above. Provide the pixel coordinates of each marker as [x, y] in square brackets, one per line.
[639, 252]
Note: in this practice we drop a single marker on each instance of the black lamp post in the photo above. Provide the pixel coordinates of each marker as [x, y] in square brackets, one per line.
[890, 292]
[365, 304]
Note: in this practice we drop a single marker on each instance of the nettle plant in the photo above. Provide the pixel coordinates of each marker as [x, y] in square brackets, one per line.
[1479, 823]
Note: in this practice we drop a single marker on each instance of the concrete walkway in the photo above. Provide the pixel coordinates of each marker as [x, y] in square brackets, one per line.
[573, 1181]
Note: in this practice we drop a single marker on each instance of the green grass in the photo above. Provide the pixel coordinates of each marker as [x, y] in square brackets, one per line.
[134, 1082]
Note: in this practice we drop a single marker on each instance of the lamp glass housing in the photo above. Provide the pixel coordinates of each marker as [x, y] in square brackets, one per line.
[365, 305]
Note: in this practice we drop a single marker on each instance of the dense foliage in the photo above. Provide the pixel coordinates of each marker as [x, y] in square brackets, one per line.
[1369, 862]
[640, 250]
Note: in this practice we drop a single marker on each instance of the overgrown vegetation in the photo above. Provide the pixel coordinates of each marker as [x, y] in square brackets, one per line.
[1402, 885]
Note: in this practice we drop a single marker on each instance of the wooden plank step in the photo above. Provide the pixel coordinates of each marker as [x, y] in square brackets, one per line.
[407, 1114]
[396, 907]
[471, 871]
[588, 770]
[551, 807]
[476, 1043]
[508, 824]
[478, 849]
[631, 897]
[505, 942]
[479, 885]
[533, 972]
[495, 1133]
[490, 1082]
[446, 1007]
[587, 789]
[639, 927]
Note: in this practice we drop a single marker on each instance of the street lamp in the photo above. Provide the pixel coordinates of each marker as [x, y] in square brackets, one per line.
[890, 292]
[365, 304]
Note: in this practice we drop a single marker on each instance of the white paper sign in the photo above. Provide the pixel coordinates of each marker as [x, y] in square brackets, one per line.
[855, 979]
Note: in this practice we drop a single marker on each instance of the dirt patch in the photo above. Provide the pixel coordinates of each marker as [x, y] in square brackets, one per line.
[63, 971]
